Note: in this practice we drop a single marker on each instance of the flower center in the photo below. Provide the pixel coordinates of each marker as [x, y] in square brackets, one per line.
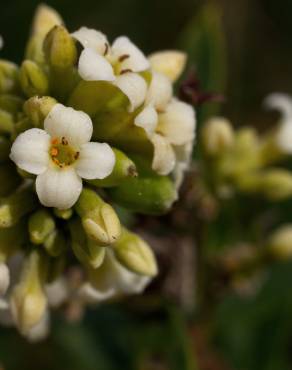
[118, 65]
[62, 153]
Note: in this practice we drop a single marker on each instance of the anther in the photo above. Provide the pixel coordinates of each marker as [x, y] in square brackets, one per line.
[64, 141]
[126, 71]
[106, 48]
[124, 57]
[76, 156]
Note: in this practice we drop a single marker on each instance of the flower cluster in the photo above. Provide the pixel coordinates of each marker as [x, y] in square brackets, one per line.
[87, 128]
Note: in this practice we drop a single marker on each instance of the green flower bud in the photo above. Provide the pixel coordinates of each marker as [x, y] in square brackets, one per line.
[40, 225]
[277, 184]
[32, 79]
[60, 49]
[98, 98]
[64, 214]
[10, 179]
[55, 243]
[28, 300]
[8, 77]
[99, 219]
[217, 136]
[147, 195]
[11, 238]
[61, 55]
[135, 254]
[6, 122]
[280, 242]
[11, 103]
[4, 148]
[17, 205]
[124, 168]
[87, 251]
[37, 108]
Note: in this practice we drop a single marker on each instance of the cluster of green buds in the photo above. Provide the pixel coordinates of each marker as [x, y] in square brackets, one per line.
[245, 161]
[86, 128]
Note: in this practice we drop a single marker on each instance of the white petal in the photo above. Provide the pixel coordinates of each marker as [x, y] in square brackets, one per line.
[94, 67]
[136, 62]
[134, 87]
[282, 103]
[57, 292]
[178, 122]
[183, 155]
[160, 91]
[96, 161]
[4, 278]
[164, 157]
[90, 38]
[147, 119]
[30, 151]
[169, 62]
[59, 188]
[90, 294]
[75, 126]
[112, 279]
[41, 330]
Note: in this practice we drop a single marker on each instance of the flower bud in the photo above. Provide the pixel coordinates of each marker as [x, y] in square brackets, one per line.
[37, 108]
[40, 225]
[16, 205]
[6, 122]
[87, 251]
[4, 278]
[55, 243]
[11, 238]
[28, 301]
[280, 242]
[11, 103]
[64, 214]
[124, 168]
[277, 184]
[59, 47]
[169, 62]
[217, 136]
[8, 77]
[32, 79]
[147, 195]
[45, 19]
[99, 219]
[135, 254]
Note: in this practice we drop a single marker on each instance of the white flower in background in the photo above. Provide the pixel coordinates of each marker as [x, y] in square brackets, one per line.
[282, 103]
[4, 278]
[119, 63]
[111, 280]
[61, 154]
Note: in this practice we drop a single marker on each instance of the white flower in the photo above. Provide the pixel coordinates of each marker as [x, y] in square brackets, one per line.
[111, 280]
[282, 103]
[61, 154]
[119, 63]
[172, 132]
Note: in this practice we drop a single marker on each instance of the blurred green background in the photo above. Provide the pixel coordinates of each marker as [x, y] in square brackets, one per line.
[243, 50]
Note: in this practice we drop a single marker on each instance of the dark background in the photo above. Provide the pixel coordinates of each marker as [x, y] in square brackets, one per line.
[243, 50]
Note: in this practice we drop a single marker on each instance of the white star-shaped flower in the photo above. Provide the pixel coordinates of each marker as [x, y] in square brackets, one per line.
[119, 63]
[61, 154]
